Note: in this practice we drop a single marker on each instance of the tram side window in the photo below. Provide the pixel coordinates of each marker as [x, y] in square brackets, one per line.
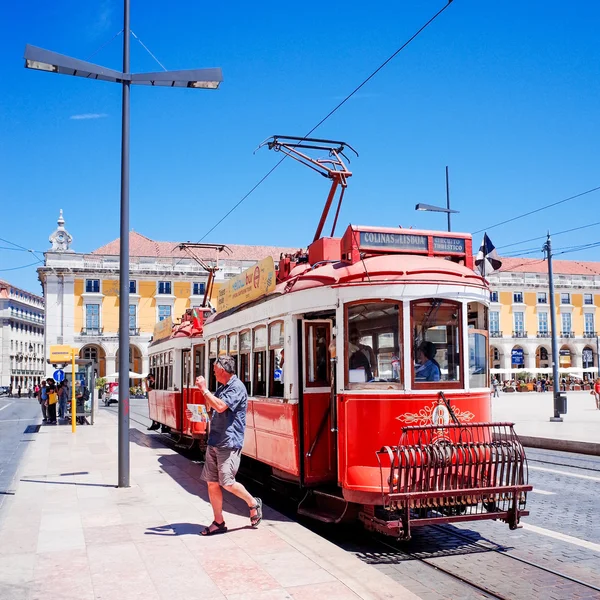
[477, 318]
[259, 380]
[245, 348]
[317, 355]
[436, 329]
[276, 360]
[233, 349]
[212, 358]
[198, 361]
[373, 342]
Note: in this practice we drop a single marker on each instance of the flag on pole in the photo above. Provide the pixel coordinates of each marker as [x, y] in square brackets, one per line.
[197, 320]
[487, 260]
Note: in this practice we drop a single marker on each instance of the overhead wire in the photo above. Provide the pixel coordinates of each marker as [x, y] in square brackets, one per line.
[329, 114]
[147, 50]
[104, 45]
[543, 237]
[532, 212]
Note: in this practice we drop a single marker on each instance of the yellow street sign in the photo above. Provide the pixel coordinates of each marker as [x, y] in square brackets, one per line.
[250, 285]
[60, 354]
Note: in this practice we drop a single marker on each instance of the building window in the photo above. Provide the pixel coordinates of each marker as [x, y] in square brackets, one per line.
[542, 298]
[164, 311]
[493, 296]
[164, 287]
[92, 317]
[132, 318]
[199, 288]
[588, 299]
[92, 286]
[518, 297]
[132, 286]
[566, 322]
[543, 322]
[494, 321]
[565, 298]
[588, 323]
[519, 322]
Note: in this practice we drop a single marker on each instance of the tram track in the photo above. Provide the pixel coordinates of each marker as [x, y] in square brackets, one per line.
[398, 552]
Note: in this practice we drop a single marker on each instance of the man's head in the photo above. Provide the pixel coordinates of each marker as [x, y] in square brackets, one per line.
[224, 368]
[428, 349]
[354, 336]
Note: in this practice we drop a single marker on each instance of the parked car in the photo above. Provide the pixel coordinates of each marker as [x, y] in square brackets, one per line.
[4, 390]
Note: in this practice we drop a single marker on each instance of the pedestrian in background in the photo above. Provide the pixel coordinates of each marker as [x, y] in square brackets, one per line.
[597, 392]
[52, 400]
[43, 400]
[63, 395]
[496, 386]
[19, 391]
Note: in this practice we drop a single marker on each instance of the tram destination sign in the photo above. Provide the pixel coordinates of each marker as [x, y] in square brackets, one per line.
[393, 241]
[407, 241]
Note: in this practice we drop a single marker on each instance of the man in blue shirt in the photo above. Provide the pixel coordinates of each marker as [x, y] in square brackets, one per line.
[428, 369]
[225, 440]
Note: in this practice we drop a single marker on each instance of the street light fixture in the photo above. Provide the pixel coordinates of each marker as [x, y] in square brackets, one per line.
[45, 60]
[447, 210]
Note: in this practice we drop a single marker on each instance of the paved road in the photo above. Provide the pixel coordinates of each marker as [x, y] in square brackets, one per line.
[15, 415]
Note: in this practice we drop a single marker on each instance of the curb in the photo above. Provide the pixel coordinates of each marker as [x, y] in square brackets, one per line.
[592, 448]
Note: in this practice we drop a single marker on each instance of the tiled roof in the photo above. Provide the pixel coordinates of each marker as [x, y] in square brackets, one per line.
[140, 245]
[559, 267]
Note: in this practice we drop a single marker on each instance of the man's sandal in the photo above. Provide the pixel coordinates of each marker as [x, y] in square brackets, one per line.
[257, 518]
[220, 528]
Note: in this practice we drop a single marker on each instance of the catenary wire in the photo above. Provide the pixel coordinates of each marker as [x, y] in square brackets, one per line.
[531, 212]
[21, 267]
[543, 237]
[33, 252]
[331, 112]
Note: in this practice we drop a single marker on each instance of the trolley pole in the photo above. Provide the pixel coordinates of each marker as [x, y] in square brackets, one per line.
[556, 388]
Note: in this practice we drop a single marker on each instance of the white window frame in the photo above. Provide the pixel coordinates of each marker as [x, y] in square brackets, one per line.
[521, 301]
[515, 321]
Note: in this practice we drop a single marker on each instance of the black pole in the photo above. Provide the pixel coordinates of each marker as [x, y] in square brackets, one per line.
[124, 271]
[448, 199]
[555, 357]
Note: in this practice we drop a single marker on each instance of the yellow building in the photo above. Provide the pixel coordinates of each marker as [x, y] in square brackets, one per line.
[520, 324]
[82, 291]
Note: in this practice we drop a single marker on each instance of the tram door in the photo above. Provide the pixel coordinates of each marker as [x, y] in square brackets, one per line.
[186, 382]
[320, 463]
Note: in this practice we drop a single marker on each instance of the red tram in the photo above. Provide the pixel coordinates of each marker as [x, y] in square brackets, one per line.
[330, 348]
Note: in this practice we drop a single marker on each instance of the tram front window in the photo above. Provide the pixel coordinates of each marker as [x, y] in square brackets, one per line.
[373, 342]
[437, 341]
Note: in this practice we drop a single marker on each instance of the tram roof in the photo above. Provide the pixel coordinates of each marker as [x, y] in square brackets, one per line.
[381, 269]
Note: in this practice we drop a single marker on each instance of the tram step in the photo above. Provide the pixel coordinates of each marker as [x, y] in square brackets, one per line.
[325, 507]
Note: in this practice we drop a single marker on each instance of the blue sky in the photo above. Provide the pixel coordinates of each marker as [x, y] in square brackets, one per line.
[504, 93]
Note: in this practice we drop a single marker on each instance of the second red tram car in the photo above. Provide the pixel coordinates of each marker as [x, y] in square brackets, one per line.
[367, 373]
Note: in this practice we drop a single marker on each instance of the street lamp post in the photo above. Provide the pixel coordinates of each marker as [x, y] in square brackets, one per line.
[447, 210]
[52, 62]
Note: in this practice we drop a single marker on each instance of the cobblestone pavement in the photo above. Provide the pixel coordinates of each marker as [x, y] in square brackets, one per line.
[15, 415]
[564, 503]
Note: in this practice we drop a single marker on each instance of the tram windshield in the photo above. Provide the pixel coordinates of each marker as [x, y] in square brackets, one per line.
[436, 341]
[373, 342]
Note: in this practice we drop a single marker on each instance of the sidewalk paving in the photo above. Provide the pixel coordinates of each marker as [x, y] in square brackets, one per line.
[531, 412]
[69, 534]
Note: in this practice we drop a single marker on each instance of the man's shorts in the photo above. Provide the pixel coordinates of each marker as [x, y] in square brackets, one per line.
[221, 464]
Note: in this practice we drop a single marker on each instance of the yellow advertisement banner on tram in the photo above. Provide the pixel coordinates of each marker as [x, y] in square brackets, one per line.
[250, 285]
[162, 329]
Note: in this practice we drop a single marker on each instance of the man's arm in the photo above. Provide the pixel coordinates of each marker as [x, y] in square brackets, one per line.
[210, 399]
